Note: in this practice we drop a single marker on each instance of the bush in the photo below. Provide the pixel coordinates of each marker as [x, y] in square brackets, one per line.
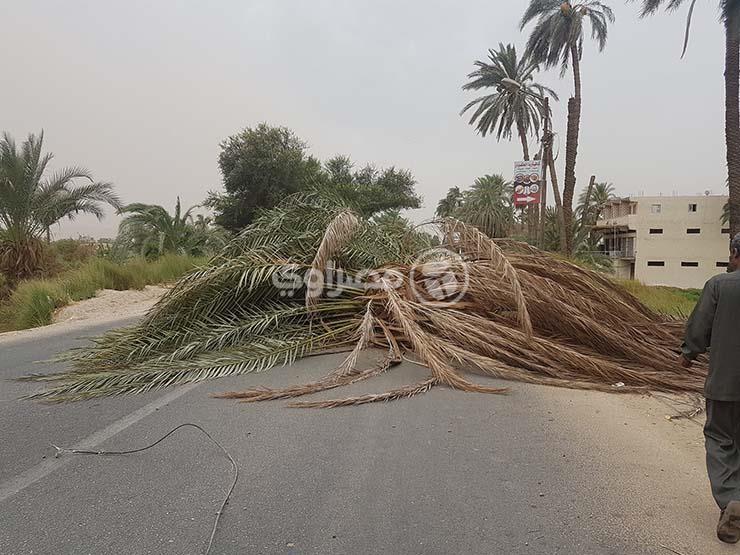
[33, 303]
[72, 252]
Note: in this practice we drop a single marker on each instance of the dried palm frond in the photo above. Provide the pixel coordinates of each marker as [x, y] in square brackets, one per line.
[494, 307]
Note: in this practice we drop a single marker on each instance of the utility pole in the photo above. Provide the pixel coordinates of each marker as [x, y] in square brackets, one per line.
[546, 146]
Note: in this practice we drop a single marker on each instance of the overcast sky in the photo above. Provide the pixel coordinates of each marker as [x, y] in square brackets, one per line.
[141, 93]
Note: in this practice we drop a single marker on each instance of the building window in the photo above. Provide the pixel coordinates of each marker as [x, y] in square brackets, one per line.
[693, 231]
[656, 208]
[656, 263]
[689, 264]
[723, 264]
[693, 207]
[726, 231]
[656, 231]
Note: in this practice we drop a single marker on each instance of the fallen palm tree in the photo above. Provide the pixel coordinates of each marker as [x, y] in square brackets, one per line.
[309, 277]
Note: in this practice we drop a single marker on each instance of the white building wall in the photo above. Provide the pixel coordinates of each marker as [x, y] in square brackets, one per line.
[675, 257]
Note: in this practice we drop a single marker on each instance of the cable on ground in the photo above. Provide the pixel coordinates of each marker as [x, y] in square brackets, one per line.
[60, 450]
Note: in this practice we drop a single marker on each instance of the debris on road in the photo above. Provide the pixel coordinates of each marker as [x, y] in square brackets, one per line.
[499, 307]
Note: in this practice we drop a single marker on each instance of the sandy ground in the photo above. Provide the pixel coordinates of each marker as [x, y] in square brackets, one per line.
[111, 305]
[107, 306]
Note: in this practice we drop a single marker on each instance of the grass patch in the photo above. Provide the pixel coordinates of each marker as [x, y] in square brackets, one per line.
[666, 300]
[34, 302]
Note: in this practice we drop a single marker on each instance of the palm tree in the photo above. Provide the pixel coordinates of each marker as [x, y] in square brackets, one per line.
[488, 207]
[450, 203]
[730, 18]
[591, 203]
[518, 107]
[31, 203]
[557, 40]
[149, 230]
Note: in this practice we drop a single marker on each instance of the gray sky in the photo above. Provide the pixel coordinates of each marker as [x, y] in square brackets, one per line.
[141, 93]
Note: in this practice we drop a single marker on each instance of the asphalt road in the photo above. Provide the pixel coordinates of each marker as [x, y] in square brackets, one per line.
[539, 470]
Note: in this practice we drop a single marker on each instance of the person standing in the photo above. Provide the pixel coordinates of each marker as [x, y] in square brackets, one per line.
[714, 326]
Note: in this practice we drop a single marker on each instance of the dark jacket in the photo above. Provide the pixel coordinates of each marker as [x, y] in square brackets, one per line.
[715, 323]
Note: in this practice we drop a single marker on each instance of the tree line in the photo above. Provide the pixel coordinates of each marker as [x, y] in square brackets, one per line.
[260, 167]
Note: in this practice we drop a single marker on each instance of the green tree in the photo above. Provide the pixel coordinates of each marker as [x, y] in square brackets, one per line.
[510, 107]
[450, 203]
[369, 190]
[260, 166]
[586, 243]
[31, 203]
[591, 206]
[730, 19]
[149, 230]
[557, 40]
[488, 206]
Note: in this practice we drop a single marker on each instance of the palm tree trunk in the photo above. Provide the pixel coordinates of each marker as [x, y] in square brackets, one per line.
[732, 119]
[571, 151]
[523, 139]
[558, 201]
[586, 214]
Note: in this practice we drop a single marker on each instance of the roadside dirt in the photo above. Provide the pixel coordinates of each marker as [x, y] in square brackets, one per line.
[107, 306]
[111, 305]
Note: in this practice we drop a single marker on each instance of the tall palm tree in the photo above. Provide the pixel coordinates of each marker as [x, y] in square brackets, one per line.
[488, 206]
[557, 40]
[151, 231]
[730, 18]
[508, 108]
[30, 203]
[450, 203]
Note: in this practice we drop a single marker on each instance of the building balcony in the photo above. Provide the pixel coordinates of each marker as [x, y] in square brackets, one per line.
[622, 224]
[623, 254]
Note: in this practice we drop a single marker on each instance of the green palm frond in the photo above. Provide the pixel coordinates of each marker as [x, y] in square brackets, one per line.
[505, 110]
[260, 354]
[559, 27]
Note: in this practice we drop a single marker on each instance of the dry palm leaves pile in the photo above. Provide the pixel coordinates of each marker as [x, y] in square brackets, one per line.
[309, 277]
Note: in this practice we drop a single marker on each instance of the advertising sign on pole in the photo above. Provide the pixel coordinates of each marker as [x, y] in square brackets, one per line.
[527, 182]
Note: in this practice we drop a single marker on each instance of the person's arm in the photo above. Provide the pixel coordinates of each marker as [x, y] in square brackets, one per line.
[699, 326]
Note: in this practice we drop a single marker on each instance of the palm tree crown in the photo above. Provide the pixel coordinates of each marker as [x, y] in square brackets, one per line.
[590, 207]
[450, 203]
[507, 108]
[151, 231]
[487, 206]
[560, 27]
[31, 203]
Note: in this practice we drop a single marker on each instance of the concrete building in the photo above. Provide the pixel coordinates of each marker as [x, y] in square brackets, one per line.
[675, 241]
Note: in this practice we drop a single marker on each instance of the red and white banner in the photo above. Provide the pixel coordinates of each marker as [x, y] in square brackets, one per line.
[527, 182]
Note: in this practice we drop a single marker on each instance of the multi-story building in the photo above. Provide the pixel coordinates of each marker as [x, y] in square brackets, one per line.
[675, 241]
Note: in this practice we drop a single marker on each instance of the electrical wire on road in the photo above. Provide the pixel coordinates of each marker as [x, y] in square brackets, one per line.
[60, 450]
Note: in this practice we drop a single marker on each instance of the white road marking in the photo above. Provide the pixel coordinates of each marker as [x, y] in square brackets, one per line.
[18, 483]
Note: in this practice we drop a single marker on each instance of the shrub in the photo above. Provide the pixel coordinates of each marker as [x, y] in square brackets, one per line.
[71, 253]
[33, 303]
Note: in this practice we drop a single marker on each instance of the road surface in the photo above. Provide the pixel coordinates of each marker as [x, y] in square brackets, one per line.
[540, 470]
